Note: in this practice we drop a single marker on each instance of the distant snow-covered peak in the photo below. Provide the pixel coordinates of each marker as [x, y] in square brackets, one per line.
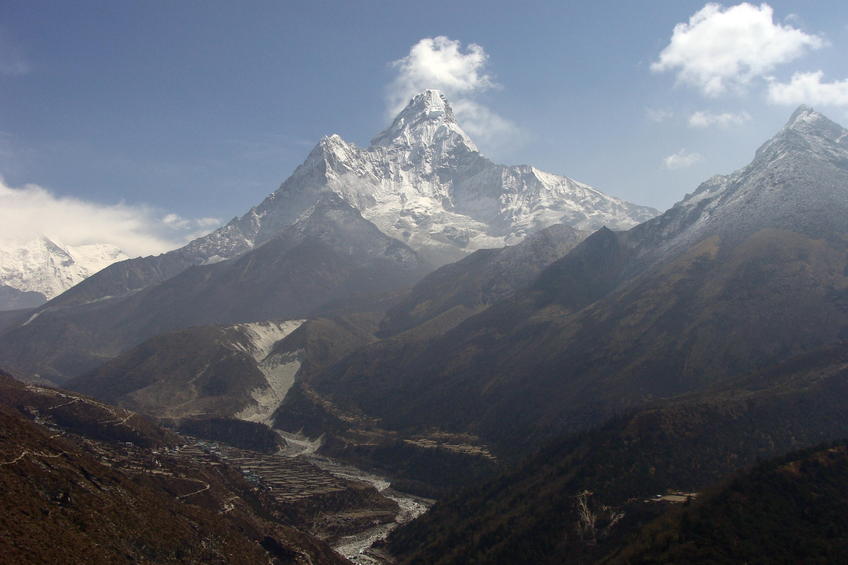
[49, 266]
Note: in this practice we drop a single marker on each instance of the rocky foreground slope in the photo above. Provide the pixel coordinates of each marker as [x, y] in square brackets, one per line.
[86, 482]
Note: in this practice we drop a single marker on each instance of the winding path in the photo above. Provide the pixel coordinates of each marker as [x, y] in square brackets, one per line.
[26, 452]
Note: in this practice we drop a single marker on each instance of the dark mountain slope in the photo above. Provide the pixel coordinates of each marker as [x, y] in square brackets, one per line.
[221, 371]
[14, 299]
[204, 370]
[456, 291]
[530, 515]
[790, 510]
[125, 278]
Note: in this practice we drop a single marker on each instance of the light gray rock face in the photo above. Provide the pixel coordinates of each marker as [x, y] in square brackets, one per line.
[421, 181]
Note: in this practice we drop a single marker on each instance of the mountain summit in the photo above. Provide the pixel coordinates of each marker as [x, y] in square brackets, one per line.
[806, 120]
[428, 119]
[806, 131]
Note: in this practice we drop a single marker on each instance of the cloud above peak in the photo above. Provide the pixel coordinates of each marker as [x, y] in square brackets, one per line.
[808, 88]
[442, 63]
[722, 50]
[703, 119]
[32, 211]
[439, 63]
[681, 160]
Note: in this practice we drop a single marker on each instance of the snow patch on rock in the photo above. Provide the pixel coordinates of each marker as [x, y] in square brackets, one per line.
[263, 335]
[279, 369]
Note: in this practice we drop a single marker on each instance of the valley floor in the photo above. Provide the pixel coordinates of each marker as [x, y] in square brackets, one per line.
[333, 498]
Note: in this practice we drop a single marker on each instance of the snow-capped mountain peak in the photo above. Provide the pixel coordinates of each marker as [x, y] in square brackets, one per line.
[807, 121]
[422, 181]
[427, 120]
[806, 131]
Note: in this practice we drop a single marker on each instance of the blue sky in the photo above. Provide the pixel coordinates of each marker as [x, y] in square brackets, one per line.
[184, 112]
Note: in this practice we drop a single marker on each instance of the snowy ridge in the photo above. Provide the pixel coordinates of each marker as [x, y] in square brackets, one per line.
[49, 267]
[796, 181]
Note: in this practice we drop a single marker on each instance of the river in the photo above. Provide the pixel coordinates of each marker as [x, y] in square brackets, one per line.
[356, 547]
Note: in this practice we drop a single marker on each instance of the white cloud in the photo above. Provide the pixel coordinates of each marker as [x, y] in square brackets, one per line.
[481, 123]
[808, 88]
[441, 63]
[178, 222]
[31, 211]
[681, 160]
[723, 49]
[190, 228]
[724, 119]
